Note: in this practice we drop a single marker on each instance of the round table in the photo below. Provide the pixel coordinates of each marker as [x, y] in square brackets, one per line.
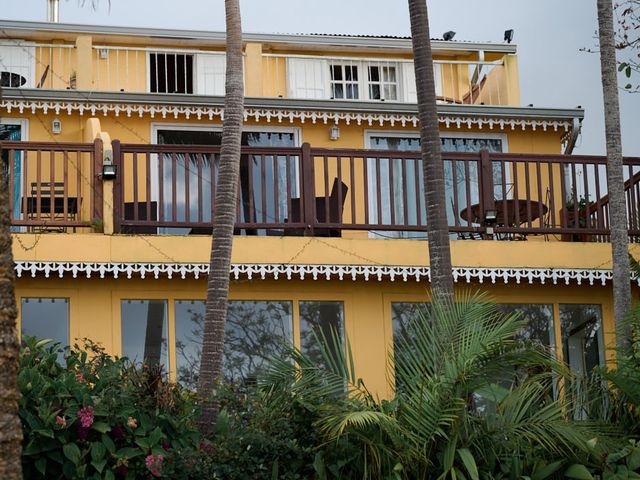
[506, 216]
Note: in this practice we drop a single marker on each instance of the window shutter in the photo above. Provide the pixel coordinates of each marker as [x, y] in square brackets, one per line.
[19, 58]
[307, 78]
[210, 74]
[409, 81]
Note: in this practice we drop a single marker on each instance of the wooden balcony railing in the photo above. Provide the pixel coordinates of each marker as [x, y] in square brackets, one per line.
[53, 186]
[170, 189]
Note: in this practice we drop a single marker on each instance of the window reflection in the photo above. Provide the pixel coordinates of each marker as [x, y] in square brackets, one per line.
[582, 337]
[45, 318]
[255, 331]
[539, 322]
[144, 331]
[320, 319]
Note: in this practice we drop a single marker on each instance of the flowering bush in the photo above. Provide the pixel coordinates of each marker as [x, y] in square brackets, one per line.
[98, 417]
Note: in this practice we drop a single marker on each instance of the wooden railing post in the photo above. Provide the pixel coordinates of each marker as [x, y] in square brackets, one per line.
[486, 182]
[308, 190]
[117, 186]
[96, 170]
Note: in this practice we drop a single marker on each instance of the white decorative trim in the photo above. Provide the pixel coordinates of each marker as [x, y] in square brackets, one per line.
[315, 272]
[278, 115]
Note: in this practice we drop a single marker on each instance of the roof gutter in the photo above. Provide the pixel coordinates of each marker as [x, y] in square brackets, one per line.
[13, 27]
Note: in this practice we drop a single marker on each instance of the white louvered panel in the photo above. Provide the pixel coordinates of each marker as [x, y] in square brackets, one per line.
[307, 78]
[210, 74]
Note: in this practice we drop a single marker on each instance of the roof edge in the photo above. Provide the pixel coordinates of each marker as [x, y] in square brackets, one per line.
[219, 37]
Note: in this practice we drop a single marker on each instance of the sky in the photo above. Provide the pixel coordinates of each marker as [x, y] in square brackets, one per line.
[550, 34]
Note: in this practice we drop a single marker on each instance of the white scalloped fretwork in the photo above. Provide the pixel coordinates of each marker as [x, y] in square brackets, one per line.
[278, 114]
[315, 272]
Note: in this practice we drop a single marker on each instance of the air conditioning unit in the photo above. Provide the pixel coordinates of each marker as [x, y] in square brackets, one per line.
[17, 64]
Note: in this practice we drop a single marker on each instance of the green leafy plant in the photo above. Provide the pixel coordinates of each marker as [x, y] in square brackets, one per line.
[86, 414]
[471, 402]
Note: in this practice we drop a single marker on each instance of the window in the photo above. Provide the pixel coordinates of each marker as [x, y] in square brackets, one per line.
[402, 313]
[320, 319]
[344, 81]
[45, 318]
[539, 319]
[17, 64]
[170, 73]
[144, 331]
[13, 130]
[255, 331]
[181, 175]
[582, 344]
[383, 82]
[400, 181]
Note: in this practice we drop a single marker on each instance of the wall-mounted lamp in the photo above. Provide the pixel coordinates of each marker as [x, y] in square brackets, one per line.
[490, 219]
[109, 172]
[448, 36]
[334, 133]
[56, 126]
[508, 35]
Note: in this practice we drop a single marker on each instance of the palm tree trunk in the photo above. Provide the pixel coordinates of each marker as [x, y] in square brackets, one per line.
[433, 168]
[223, 221]
[615, 178]
[10, 427]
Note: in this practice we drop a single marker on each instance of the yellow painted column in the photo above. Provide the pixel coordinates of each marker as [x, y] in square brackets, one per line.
[512, 80]
[84, 74]
[253, 70]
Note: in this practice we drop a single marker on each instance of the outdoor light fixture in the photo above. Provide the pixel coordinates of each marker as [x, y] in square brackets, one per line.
[56, 126]
[334, 133]
[109, 172]
[490, 217]
[448, 36]
[508, 35]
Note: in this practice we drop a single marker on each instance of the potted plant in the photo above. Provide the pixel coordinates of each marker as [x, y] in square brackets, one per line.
[577, 211]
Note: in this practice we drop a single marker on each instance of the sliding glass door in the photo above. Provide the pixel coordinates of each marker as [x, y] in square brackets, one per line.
[261, 177]
[402, 194]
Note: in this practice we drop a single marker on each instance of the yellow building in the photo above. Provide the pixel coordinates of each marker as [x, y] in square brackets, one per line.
[111, 140]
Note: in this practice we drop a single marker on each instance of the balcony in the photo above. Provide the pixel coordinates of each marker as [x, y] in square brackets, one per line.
[470, 78]
[170, 189]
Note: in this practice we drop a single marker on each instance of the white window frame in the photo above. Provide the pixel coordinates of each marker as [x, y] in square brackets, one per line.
[343, 65]
[382, 83]
[363, 83]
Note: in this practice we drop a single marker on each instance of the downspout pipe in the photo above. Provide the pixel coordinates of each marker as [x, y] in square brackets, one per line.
[53, 11]
[573, 138]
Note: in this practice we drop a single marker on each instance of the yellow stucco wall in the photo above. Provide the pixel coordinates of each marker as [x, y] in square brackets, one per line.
[95, 302]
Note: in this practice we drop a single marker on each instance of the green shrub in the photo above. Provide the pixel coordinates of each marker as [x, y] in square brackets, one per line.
[86, 414]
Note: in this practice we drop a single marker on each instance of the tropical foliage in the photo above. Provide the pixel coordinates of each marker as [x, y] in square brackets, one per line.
[88, 415]
[471, 401]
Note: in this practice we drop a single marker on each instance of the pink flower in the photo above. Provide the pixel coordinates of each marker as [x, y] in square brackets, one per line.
[61, 421]
[85, 415]
[154, 464]
[132, 423]
[80, 377]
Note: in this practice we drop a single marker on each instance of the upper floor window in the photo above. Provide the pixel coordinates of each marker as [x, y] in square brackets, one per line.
[383, 82]
[344, 81]
[17, 64]
[170, 73]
